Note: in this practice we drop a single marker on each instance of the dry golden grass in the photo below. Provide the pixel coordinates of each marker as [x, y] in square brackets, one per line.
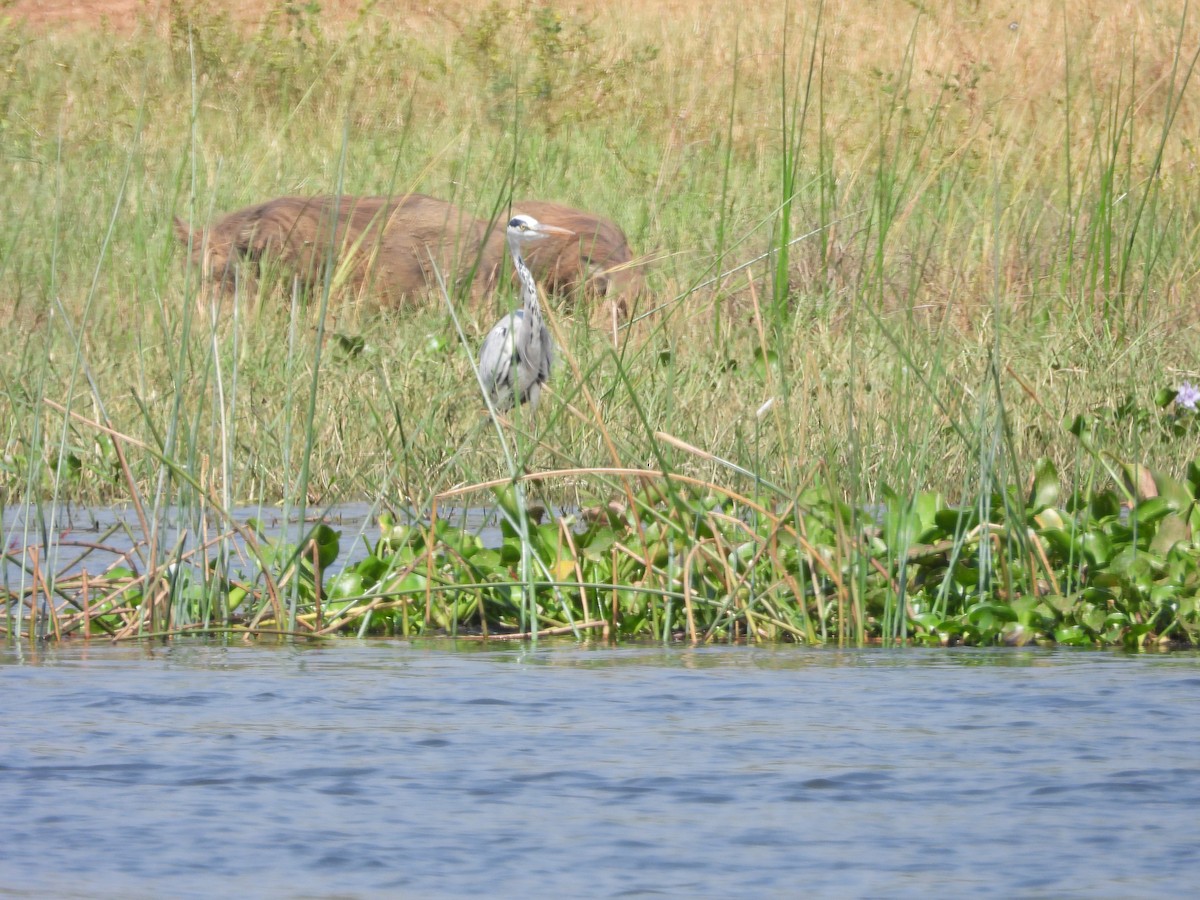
[1002, 74]
[972, 114]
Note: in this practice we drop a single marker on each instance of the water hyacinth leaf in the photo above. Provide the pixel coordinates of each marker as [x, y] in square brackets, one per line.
[1135, 635]
[1116, 620]
[1164, 397]
[633, 602]
[956, 521]
[1096, 548]
[412, 583]
[1172, 530]
[1178, 494]
[1093, 617]
[1119, 533]
[965, 575]
[1073, 636]
[487, 559]
[345, 586]
[461, 542]
[1193, 479]
[1105, 505]
[394, 536]
[328, 544]
[1060, 542]
[1023, 604]
[990, 617]
[1045, 488]
[597, 543]
[927, 505]
[236, 597]
[466, 607]
[1135, 568]
[547, 538]
[1150, 511]
[370, 568]
[929, 621]
[951, 627]
[1050, 518]
[1164, 595]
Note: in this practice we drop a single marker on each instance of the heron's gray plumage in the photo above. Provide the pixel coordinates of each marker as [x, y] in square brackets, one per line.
[518, 352]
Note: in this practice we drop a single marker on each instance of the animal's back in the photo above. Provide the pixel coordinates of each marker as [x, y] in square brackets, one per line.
[390, 246]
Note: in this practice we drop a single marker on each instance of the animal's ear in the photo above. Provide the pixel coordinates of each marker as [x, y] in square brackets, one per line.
[183, 231]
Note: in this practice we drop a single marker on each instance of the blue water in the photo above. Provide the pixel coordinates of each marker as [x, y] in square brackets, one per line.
[72, 540]
[392, 769]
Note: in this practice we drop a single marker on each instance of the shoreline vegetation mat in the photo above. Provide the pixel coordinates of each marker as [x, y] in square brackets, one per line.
[914, 361]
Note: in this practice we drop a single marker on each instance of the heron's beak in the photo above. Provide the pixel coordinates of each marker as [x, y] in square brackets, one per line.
[548, 230]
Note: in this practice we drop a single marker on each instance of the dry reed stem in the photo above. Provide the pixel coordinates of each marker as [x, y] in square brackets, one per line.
[688, 561]
[529, 635]
[566, 534]
[87, 631]
[246, 534]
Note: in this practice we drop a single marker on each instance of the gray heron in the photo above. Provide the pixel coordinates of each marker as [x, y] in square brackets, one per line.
[516, 356]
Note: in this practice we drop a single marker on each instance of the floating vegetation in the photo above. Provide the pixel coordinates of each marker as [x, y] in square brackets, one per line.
[674, 558]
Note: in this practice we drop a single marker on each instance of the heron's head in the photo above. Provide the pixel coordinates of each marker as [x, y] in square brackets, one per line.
[526, 229]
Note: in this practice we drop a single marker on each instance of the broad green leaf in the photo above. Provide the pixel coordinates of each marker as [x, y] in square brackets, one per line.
[346, 586]
[1147, 512]
[1172, 529]
[1095, 547]
[956, 521]
[1045, 488]
[1176, 493]
[328, 544]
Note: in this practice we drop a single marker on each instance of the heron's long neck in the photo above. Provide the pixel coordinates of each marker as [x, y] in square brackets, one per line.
[529, 294]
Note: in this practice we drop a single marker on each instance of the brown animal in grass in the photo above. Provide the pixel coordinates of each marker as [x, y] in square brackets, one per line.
[388, 245]
[595, 260]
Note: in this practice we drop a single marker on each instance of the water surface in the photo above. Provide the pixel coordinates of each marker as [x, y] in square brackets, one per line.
[389, 768]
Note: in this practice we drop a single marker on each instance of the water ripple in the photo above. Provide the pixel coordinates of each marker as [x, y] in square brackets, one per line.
[389, 768]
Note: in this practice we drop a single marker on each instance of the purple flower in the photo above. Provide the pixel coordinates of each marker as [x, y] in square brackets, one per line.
[1188, 396]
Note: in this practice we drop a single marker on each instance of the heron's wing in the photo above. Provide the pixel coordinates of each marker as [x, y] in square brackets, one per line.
[547, 359]
[495, 357]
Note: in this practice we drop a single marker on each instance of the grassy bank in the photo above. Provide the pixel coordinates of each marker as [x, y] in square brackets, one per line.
[995, 240]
